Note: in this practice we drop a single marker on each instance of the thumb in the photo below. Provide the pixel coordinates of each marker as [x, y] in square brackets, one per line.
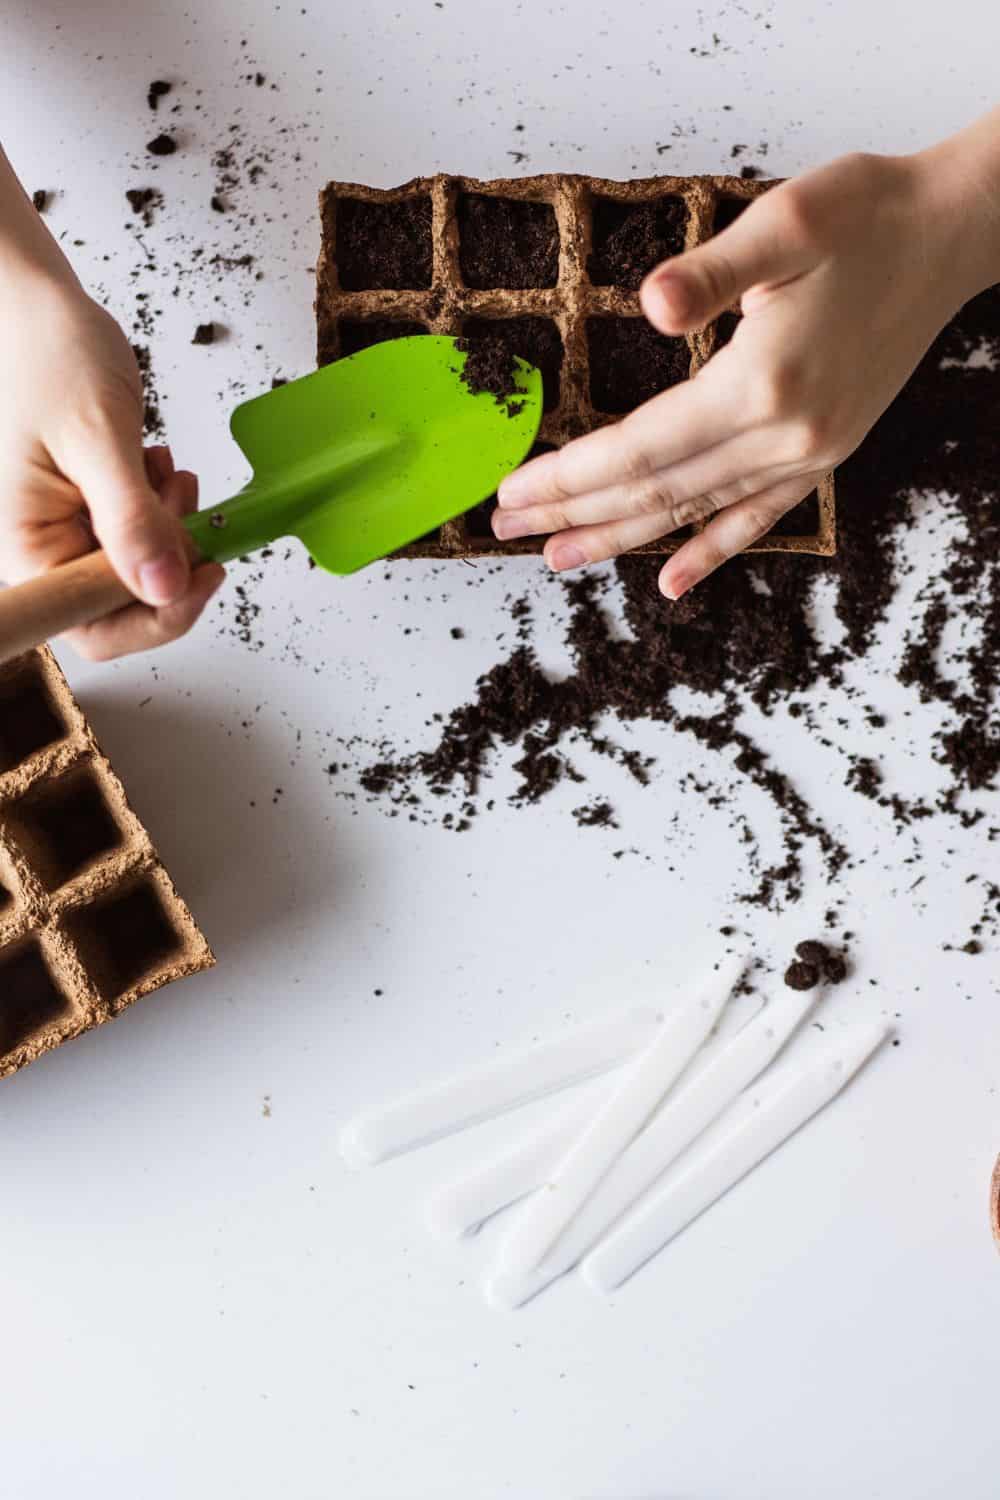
[762, 246]
[144, 542]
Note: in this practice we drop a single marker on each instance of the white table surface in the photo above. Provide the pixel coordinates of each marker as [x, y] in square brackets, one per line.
[198, 1298]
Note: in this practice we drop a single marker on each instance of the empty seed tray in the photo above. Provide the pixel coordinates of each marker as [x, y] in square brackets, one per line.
[550, 265]
[89, 918]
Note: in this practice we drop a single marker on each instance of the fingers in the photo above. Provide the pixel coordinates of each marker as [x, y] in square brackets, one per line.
[732, 531]
[610, 538]
[181, 497]
[598, 543]
[680, 422]
[767, 244]
[144, 542]
[159, 465]
[676, 495]
[139, 628]
[594, 544]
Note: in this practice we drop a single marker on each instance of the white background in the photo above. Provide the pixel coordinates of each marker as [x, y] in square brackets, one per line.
[198, 1299]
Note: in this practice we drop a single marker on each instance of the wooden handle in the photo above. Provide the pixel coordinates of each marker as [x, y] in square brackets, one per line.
[76, 593]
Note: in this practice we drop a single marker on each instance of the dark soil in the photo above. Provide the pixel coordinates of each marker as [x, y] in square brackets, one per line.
[801, 975]
[812, 954]
[144, 202]
[490, 369]
[40, 198]
[507, 242]
[162, 145]
[205, 333]
[747, 632]
[536, 340]
[158, 89]
[153, 423]
[595, 815]
[384, 245]
[630, 239]
[630, 362]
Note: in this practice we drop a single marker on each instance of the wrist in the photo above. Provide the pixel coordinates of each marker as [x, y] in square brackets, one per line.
[34, 283]
[30, 259]
[958, 200]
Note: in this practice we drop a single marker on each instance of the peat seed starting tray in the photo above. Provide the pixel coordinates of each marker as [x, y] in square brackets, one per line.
[550, 266]
[89, 918]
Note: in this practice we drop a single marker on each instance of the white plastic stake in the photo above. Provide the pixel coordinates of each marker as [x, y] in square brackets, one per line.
[492, 1088]
[759, 1121]
[464, 1205]
[614, 1127]
[690, 1108]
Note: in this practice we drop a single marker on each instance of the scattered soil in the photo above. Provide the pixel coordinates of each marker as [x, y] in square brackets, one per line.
[144, 202]
[747, 635]
[595, 815]
[153, 423]
[801, 975]
[815, 961]
[158, 90]
[40, 198]
[162, 145]
[835, 969]
[205, 333]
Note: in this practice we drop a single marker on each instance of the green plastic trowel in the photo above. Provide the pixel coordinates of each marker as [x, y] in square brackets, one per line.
[356, 460]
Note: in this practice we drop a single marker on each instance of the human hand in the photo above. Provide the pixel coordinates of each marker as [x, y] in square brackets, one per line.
[73, 469]
[845, 276]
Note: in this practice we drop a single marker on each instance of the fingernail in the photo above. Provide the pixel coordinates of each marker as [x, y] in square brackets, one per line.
[515, 490]
[164, 579]
[508, 528]
[675, 588]
[567, 557]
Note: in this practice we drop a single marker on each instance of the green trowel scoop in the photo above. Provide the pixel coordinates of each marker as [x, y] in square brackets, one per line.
[355, 460]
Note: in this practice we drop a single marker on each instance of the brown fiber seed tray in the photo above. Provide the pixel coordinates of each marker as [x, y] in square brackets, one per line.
[551, 264]
[89, 918]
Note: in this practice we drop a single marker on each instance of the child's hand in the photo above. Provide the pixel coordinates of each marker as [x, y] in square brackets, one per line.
[846, 275]
[72, 468]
